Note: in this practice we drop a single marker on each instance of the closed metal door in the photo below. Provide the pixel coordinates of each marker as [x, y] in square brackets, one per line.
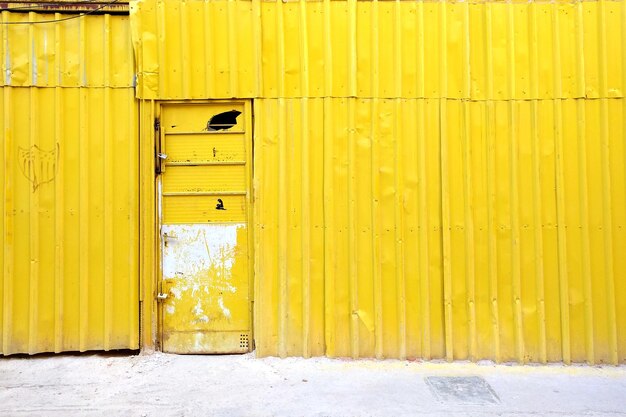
[205, 235]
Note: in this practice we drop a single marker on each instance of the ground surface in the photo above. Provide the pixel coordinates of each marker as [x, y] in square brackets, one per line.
[239, 386]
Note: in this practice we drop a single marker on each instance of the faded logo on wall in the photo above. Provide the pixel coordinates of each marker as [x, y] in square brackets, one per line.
[39, 166]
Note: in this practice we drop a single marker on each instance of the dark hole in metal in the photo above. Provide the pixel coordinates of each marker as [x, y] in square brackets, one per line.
[223, 121]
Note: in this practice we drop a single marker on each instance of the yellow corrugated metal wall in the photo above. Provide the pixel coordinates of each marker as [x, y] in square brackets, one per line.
[441, 228]
[70, 185]
[348, 214]
[432, 179]
[477, 50]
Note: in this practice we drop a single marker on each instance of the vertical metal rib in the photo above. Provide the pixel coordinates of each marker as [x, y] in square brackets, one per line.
[306, 185]
[161, 48]
[328, 56]
[607, 215]
[83, 190]
[538, 231]
[399, 224]
[283, 230]
[256, 30]
[562, 238]
[8, 237]
[134, 257]
[59, 207]
[445, 219]
[280, 50]
[329, 256]
[209, 60]
[468, 199]
[445, 186]
[34, 255]
[352, 232]
[233, 49]
[108, 178]
[585, 235]
[352, 48]
[184, 38]
[514, 190]
[376, 230]
[305, 192]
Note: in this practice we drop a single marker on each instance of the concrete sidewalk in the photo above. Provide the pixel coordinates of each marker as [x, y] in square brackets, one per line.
[236, 386]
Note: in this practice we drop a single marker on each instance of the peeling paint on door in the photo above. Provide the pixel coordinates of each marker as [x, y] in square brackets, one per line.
[205, 279]
[204, 234]
[201, 264]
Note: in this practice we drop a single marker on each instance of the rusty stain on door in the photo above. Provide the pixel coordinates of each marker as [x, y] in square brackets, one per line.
[205, 268]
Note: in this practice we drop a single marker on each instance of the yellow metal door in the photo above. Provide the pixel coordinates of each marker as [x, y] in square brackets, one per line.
[205, 268]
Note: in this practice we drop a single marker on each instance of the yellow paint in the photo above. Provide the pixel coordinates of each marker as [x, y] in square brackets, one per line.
[92, 51]
[204, 231]
[205, 277]
[347, 185]
[431, 179]
[407, 49]
[69, 175]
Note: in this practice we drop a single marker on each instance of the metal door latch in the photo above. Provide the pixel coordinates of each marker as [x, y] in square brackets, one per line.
[161, 296]
[167, 238]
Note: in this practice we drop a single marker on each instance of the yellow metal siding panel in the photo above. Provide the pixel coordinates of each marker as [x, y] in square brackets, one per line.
[265, 197]
[351, 171]
[529, 263]
[70, 243]
[90, 51]
[453, 196]
[618, 199]
[204, 178]
[523, 275]
[471, 50]
[148, 226]
[183, 209]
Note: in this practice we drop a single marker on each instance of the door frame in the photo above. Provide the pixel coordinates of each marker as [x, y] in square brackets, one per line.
[159, 138]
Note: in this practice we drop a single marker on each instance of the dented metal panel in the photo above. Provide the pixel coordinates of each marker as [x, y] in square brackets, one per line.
[348, 228]
[432, 179]
[441, 229]
[205, 285]
[70, 258]
[69, 180]
[478, 50]
[86, 51]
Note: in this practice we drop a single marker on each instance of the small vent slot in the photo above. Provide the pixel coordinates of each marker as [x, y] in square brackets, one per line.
[244, 342]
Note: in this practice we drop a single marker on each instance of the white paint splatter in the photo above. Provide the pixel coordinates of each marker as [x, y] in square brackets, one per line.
[176, 292]
[225, 311]
[193, 248]
[199, 259]
[197, 310]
